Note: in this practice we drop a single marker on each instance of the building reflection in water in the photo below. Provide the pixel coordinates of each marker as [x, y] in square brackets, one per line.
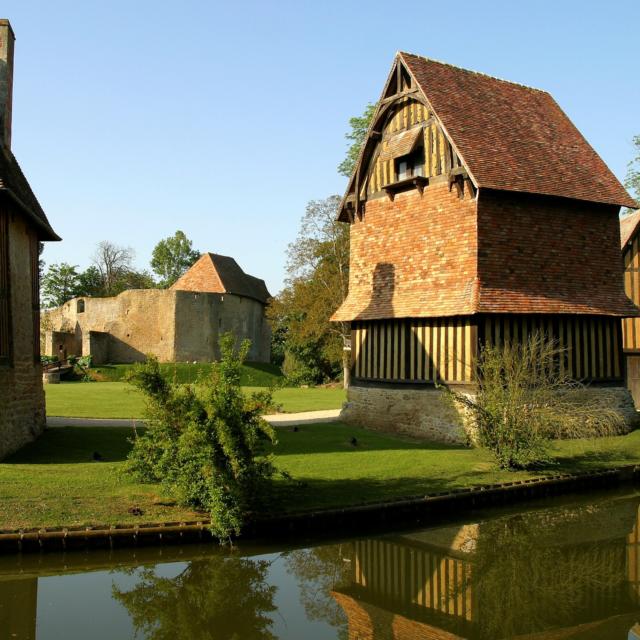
[553, 573]
[549, 573]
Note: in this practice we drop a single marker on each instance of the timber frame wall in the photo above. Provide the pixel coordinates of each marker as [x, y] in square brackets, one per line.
[631, 326]
[431, 350]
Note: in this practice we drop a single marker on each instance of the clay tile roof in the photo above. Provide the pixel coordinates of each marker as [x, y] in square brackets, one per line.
[514, 138]
[213, 273]
[628, 227]
[14, 183]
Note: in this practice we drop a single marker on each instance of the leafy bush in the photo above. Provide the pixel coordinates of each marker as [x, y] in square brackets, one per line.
[525, 398]
[205, 442]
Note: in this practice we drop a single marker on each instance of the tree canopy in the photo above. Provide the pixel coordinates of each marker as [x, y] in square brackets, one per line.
[359, 127]
[316, 285]
[632, 181]
[59, 284]
[113, 262]
[173, 256]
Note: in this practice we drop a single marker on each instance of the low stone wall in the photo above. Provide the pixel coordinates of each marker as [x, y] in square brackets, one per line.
[423, 411]
[416, 411]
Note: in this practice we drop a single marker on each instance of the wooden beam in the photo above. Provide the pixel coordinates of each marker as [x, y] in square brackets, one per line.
[397, 96]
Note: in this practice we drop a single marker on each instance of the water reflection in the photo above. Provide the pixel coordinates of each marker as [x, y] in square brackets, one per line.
[214, 598]
[556, 570]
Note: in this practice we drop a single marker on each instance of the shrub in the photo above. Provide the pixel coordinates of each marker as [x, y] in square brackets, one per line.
[205, 442]
[525, 398]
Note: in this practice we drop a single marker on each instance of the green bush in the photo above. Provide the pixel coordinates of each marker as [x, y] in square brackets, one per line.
[205, 442]
[525, 398]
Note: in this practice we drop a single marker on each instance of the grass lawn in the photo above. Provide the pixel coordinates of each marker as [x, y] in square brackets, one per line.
[121, 400]
[254, 374]
[55, 482]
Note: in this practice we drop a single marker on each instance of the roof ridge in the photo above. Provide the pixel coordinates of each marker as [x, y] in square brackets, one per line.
[477, 73]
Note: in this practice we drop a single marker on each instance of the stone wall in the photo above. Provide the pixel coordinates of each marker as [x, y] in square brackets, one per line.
[175, 326]
[423, 412]
[409, 410]
[22, 408]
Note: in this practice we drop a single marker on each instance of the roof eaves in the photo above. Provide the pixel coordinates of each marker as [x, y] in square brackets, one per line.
[47, 232]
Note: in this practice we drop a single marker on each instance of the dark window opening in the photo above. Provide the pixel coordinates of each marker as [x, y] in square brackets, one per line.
[410, 165]
[80, 307]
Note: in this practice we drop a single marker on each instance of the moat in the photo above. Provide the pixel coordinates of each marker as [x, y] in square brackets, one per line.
[555, 568]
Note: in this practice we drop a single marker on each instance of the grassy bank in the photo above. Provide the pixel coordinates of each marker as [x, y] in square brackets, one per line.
[121, 400]
[55, 481]
[254, 374]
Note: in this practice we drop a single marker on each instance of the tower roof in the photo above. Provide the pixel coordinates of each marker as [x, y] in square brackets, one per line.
[213, 273]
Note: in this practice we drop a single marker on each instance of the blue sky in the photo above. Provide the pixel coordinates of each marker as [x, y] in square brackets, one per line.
[135, 118]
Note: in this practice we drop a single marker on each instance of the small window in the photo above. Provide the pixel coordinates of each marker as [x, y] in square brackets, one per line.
[80, 306]
[410, 165]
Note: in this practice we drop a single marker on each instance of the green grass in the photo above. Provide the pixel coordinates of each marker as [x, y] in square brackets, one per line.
[56, 482]
[121, 400]
[254, 374]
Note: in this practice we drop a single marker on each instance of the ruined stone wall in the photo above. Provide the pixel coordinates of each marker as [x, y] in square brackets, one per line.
[138, 322]
[22, 408]
[423, 412]
[175, 326]
[202, 317]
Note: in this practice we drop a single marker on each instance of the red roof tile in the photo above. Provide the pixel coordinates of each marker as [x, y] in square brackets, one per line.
[514, 138]
[213, 273]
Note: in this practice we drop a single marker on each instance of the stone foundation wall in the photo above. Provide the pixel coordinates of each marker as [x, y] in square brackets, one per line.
[423, 412]
[419, 412]
[22, 413]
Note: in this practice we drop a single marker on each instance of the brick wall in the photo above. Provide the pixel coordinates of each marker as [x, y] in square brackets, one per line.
[22, 408]
[414, 256]
[548, 255]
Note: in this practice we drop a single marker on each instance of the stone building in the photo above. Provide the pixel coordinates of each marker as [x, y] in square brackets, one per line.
[478, 213]
[23, 225]
[630, 247]
[180, 324]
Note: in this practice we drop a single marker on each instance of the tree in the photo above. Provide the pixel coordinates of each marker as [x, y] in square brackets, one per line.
[316, 285]
[112, 262]
[632, 181]
[173, 256]
[359, 127]
[219, 597]
[206, 444]
[133, 280]
[90, 283]
[59, 284]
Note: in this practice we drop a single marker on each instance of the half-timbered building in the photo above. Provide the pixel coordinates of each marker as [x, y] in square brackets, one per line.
[23, 225]
[630, 246]
[478, 212]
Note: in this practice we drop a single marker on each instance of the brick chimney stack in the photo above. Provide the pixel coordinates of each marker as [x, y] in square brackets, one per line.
[6, 80]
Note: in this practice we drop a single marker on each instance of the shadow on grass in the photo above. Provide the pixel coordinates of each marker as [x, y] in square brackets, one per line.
[313, 494]
[65, 445]
[590, 460]
[336, 437]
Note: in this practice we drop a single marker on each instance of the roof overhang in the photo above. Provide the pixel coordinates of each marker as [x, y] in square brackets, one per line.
[45, 232]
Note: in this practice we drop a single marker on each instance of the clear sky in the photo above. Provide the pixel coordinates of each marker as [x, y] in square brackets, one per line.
[134, 118]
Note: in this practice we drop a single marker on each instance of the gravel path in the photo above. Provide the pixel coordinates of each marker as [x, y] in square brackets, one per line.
[277, 420]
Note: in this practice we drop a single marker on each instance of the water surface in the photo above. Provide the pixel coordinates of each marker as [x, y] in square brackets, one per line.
[562, 568]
